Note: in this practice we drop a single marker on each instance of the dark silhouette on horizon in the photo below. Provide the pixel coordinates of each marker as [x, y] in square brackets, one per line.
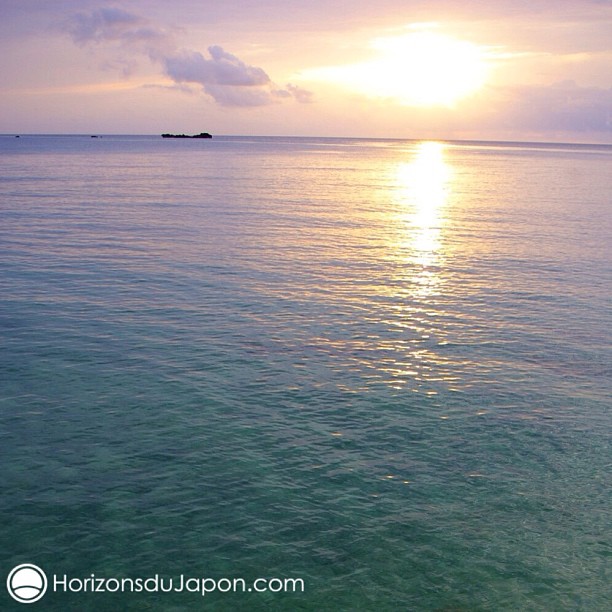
[200, 135]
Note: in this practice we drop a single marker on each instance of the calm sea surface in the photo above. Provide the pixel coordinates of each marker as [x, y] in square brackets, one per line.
[383, 367]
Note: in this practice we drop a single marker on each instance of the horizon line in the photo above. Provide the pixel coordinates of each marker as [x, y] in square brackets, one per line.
[372, 138]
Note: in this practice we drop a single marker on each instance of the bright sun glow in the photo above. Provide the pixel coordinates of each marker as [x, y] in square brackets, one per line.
[417, 69]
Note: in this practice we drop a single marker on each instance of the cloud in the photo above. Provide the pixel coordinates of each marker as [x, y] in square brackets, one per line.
[224, 77]
[228, 95]
[116, 25]
[186, 89]
[222, 69]
[300, 94]
[228, 80]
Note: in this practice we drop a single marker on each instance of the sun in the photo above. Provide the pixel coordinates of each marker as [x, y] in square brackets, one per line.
[415, 69]
[427, 69]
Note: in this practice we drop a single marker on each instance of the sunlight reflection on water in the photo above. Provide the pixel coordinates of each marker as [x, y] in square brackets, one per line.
[418, 191]
[423, 187]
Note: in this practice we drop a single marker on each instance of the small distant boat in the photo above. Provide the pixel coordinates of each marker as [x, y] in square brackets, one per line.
[200, 135]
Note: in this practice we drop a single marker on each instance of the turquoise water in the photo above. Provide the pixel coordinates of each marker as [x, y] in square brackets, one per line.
[383, 367]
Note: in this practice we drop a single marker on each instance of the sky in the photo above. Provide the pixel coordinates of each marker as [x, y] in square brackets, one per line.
[538, 70]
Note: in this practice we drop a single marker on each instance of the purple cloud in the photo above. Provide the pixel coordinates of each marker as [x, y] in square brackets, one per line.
[222, 68]
[222, 75]
[299, 93]
[113, 24]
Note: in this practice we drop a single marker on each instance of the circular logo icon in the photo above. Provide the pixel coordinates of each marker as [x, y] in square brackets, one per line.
[26, 583]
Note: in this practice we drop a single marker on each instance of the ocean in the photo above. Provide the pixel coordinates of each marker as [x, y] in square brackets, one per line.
[379, 368]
